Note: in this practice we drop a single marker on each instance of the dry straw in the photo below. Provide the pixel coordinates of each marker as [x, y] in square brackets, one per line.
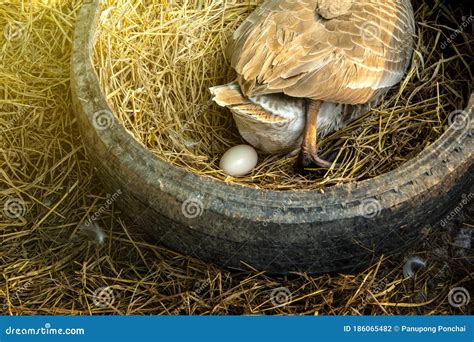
[49, 266]
[157, 59]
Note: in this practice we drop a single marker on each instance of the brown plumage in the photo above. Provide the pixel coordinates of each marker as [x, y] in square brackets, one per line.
[338, 51]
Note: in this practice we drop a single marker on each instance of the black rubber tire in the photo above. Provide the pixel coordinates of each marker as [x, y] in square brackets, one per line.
[279, 232]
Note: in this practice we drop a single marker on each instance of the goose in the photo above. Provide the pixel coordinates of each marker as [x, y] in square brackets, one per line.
[307, 68]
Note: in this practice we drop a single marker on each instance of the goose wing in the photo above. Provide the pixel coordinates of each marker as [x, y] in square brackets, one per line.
[302, 49]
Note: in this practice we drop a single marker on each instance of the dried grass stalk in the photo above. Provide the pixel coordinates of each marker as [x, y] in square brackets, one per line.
[157, 59]
[48, 192]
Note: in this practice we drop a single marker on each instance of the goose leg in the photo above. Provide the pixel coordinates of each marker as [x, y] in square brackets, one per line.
[309, 149]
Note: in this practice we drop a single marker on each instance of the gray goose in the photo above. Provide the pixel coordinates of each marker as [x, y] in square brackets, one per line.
[306, 68]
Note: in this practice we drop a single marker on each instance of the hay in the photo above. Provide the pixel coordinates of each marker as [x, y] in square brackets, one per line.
[49, 265]
[156, 61]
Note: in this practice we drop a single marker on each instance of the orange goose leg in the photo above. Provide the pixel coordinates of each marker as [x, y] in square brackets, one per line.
[309, 150]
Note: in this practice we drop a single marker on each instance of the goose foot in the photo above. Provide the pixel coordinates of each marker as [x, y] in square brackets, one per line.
[309, 150]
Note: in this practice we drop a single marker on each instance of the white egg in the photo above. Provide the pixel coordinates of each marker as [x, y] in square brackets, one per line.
[239, 160]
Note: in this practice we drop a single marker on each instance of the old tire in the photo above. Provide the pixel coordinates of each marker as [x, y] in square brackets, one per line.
[279, 232]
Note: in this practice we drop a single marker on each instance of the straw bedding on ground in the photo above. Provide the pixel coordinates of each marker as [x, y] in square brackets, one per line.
[156, 61]
[49, 264]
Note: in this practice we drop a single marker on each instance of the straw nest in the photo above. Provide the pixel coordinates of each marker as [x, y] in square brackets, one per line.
[157, 59]
[52, 263]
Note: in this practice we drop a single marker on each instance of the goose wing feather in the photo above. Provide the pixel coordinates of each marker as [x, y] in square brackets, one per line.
[289, 46]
